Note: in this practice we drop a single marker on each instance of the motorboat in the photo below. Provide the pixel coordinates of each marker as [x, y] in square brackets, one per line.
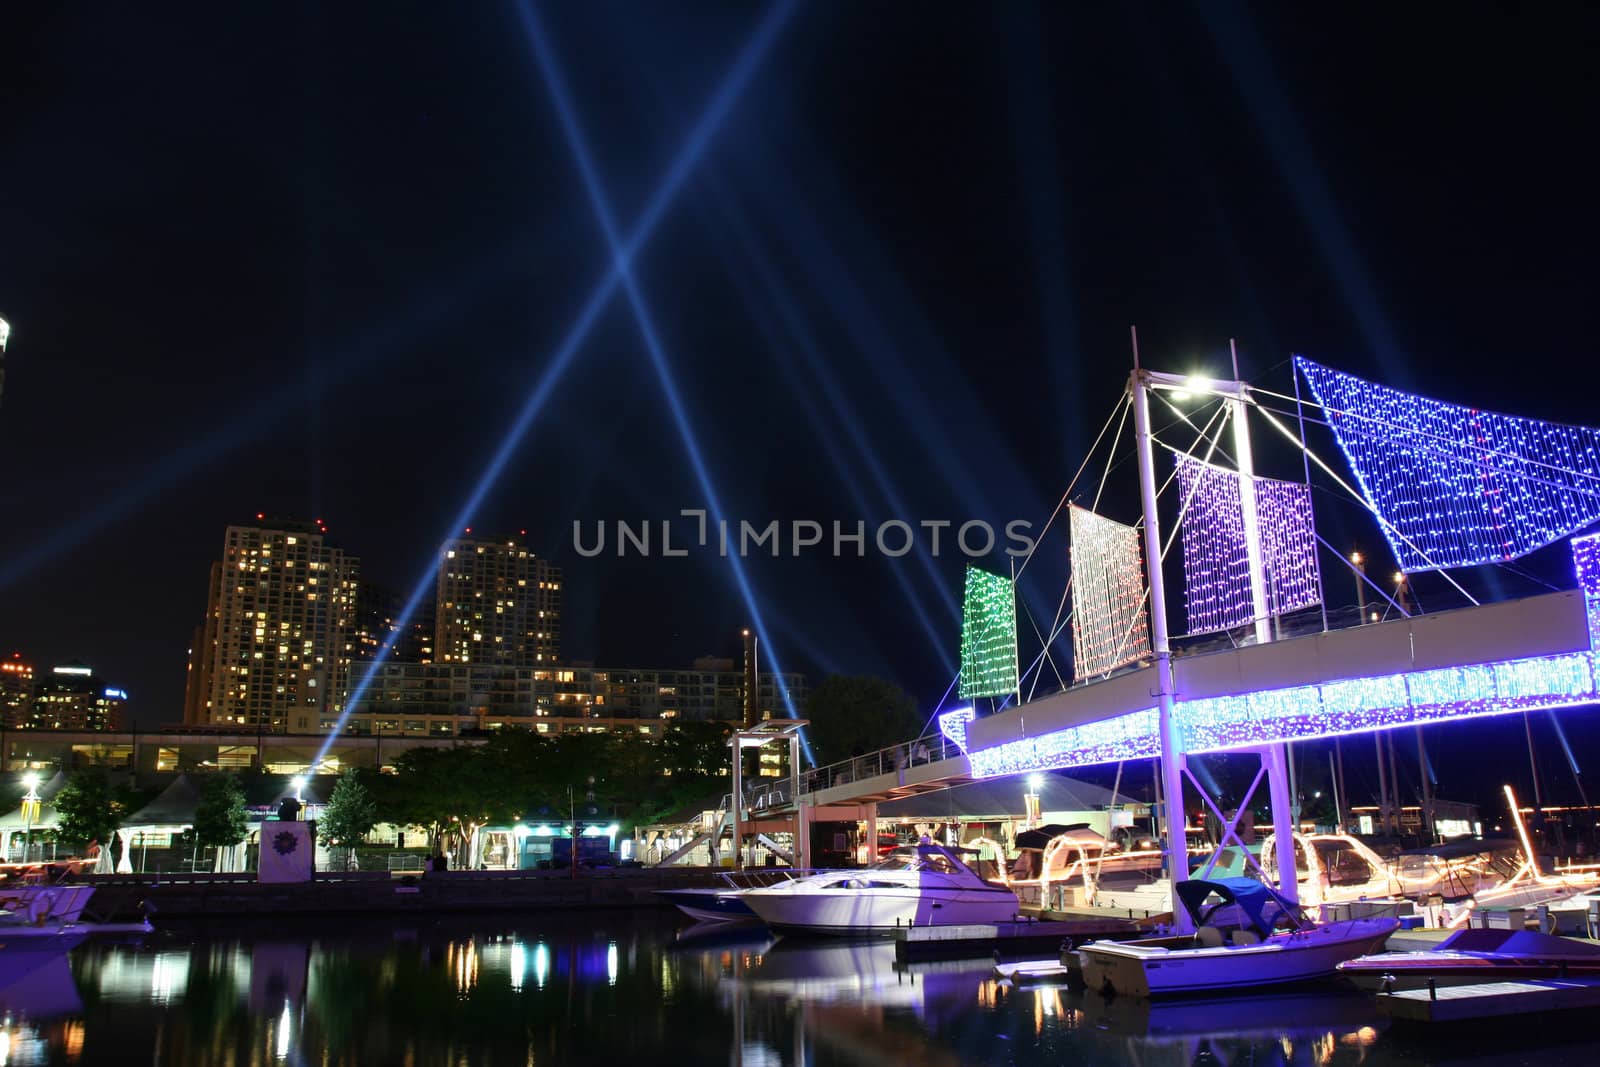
[1477, 955]
[58, 903]
[915, 885]
[1238, 944]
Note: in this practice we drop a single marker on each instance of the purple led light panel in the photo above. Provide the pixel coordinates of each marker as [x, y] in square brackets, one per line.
[1216, 568]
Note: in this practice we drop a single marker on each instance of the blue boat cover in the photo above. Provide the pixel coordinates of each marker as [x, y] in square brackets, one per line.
[1254, 899]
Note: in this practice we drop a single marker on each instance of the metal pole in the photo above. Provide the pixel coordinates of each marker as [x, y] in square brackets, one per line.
[1426, 811]
[1533, 766]
[1276, 758]
[1383, 786]
[1360, 564]
[738, 795]
[1171, 743]
[1338, 752]
[1338, 802]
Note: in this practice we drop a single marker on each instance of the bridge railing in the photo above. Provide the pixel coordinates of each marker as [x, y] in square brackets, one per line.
[929, 748]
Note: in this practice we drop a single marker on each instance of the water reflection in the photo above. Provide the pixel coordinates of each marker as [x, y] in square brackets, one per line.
[614, 989]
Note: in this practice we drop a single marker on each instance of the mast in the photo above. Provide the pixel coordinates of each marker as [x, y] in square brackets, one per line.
[1171, 757]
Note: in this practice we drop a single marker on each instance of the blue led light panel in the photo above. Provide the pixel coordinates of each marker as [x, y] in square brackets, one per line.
[988, 636]
[1456, 486]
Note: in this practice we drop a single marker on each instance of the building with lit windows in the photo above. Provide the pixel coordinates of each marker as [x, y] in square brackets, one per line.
[443, 699]
[70, 697]
[16, 691]
[497, 604]
[274, 650]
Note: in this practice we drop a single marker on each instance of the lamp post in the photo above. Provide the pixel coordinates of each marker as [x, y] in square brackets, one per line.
[1359, 562]
[30, 812]
[1030, 801]
[1400, 591]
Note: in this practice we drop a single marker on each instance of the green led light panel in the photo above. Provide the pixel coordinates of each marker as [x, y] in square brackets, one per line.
[988, 636]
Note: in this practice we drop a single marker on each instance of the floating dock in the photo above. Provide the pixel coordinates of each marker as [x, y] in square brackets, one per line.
[1012, 938]
[1489, 999]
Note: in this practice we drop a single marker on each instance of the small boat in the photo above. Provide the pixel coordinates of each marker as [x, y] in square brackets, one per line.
[915, 885]
[1236, 945]
[1477, 955]
[709, 904]
[46, 903]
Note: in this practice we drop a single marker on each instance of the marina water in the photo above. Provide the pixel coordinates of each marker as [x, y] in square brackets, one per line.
[605, 988]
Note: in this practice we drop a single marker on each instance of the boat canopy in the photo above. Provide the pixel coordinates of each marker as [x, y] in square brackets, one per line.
[1260, 904]
[1454, 850]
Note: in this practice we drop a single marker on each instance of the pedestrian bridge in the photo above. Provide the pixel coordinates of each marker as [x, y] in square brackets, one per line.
[1531, 654]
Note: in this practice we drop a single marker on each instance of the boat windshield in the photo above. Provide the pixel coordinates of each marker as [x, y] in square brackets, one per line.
[918, 859]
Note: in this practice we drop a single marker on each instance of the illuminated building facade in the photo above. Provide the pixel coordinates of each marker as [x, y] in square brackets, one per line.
[444, 698]
[16, 691]
[497, 604]
[274, 650]
[72, 698]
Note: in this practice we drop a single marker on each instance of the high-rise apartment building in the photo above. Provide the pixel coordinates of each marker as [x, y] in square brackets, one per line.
[274, 650]
[16, 691]
[498, 604]
[72, 698]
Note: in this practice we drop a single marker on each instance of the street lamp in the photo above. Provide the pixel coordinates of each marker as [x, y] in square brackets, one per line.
[1030, 799]
[299, 783]
[30, 812]
[1359, 562]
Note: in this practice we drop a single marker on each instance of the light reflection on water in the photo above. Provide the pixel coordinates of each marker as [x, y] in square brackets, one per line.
[613, 989]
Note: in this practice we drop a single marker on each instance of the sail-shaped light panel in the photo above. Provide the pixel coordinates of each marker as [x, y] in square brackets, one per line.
[1109, 624]
[1456, 486]
[988, 636]
[1216, 566]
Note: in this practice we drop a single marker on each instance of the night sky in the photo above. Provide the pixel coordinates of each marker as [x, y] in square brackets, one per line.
[311, 260]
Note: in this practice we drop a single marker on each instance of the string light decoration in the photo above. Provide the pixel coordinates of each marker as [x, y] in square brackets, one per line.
[988, 636]
[1330, 709]
[1456, 486]
[1109, 623]
[953, 724]
[1216, 568]
[1131, 736]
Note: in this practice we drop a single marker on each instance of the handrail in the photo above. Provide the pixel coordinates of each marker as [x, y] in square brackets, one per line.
[929, 748]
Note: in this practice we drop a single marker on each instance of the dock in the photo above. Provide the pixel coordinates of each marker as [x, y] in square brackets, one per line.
[201, 896]
[976, 940]
[1489, 999]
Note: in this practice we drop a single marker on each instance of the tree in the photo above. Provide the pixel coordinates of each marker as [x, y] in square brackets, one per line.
[852, 715]
[350, 814]
[219, 819]
[88, 809]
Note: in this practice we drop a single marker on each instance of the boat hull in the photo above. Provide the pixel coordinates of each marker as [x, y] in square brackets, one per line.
[1151, 969]
[848, 913]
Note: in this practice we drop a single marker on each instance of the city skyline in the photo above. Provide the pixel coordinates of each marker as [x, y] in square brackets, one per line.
[890, 274]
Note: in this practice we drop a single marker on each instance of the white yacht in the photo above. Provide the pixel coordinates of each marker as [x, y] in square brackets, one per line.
[1237, 945]
[915, 885]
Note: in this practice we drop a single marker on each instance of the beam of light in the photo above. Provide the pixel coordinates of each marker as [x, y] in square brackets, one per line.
[800, 334]
[428, 311]
[1263, 94]
[647, 330]
[700, 136]
[1561, 735]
